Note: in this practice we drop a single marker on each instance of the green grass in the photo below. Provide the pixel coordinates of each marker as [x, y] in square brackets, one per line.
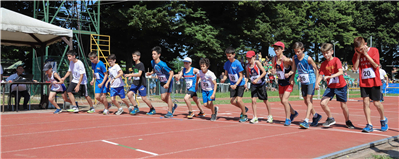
[383, 157]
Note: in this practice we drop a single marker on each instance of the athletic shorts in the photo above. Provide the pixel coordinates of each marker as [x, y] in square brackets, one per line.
[341, 93]
[259, 91]
[142, 90]
[307, 89]
[82, 89]
[61, 89]
[103, 89]
[119, 91]
[287, 88]
[192, 94]
[169, 90]
[206, 96]
[373, 92]
[238, 92]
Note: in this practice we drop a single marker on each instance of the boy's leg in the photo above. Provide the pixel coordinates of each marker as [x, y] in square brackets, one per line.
[166, 98]
[146, 101]
[195, 98]
[345, 110]
[380, 109]
[366, 109]
[309, 105]
[104, 100]
[187, 100]
[65, 97]
[131, 98]
[241, 105]
[51, 99]
[324, 105]
[115, 102]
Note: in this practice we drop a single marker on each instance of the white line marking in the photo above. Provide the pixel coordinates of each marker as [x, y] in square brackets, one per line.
[147, 152]
[109, 142]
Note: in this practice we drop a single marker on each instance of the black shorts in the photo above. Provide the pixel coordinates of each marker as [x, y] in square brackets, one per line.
[259, 91]
[238, 92]
[192, 94]
[373, 92]
[82, 89]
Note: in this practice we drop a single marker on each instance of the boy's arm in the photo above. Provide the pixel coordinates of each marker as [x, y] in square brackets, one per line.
[166, 86]
[59, 78]
[316, 70]
[273, 71]
[92, 80]
[178, 76]
[66, 75]
[293, 72]
[239, 78]
[198, 81]
[104, 80]
[215, 86]
[356, 61]
[262, 69]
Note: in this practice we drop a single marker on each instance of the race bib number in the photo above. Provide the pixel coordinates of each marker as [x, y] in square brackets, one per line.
[334, 80]
[189, 83]
[253, 78]
[162, 78]
[97, 75]
[136, 78]
[368, 73]
[205, 85]
[304, 78]
[233, 77]
[280, 75]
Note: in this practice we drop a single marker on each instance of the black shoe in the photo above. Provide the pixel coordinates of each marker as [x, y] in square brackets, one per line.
[349, 124]
[213, 117]
[329, 122]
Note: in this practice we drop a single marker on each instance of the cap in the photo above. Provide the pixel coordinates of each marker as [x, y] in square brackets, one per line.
[279, 43]
[187, 59]
[47, 66]
[250, 54]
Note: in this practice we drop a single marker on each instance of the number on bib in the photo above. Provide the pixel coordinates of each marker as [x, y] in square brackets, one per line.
[368, 73]
[304, 78]
[97, 75]
[189, 83]
[280, 75]
[162, 78]
[233, 77]
[334, 80]
[253, 78]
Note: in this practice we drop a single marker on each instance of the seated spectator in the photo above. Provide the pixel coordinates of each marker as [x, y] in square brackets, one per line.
[22, 90]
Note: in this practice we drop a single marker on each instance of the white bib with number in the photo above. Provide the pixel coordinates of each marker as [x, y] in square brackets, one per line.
[233, 77]
[334, 80]
[304, 78]
[206, 85]
[97, 75]
[253, 78]
[368, 73]
[280, 75]
[136, 78]
[162, 78]
[189, 83]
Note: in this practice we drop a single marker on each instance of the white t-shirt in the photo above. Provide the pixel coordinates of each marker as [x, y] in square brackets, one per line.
[206, 80]
[113, 72]
[77, 69]
[382, 74]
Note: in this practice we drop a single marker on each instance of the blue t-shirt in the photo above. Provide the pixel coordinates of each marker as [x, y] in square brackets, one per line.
[233, 69]
[99, 70]
[305, 70]
[162, 70]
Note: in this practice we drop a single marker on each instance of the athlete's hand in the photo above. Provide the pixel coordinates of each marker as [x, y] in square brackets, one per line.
[166, 86]
[100, 85]
[233, 86]
[213, 96]
[222, 81]
[91, 82]
[129, 78]
[317, 87]
[77, 88]
[112, 82]
[245, 86]
[287, 75]
[292, 81]
[148, 73]
[255, 81]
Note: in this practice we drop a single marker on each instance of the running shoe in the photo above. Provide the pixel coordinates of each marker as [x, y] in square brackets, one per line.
[287, 122]
[201, 114]
[254, 120]
[74, 109]
[151, 112]
[119, 112]
[91, 110]
[168, 115]
[130, 110]
[304, 125]
[349, 124]
[190, 115]
[384, 124]
[174, 108]
[246, 110]
[269, 119]
[329, 122]
[368, 128]
[315, 120]
[243, 119]
[58, 111]
[213, 117]
[135, 110]
[292, 116]
[105, 112]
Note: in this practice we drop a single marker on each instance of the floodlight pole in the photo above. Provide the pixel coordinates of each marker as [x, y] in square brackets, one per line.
[334, 45]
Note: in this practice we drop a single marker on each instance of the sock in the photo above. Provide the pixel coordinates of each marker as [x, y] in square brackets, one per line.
[315, 115]
[91, 107]
[135, 106]
[307, 120]
[330, 118]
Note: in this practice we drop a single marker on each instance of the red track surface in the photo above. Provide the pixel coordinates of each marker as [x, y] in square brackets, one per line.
[70, 135]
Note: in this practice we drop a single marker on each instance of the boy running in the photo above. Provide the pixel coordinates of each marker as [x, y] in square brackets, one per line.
[332, 70]
[79, 81]
[234, 69]
[308, 72]
[257, 73]
[56, 86]
[190, 75]
[165, 75]
[116, 84]
[139, 84]
[282, 67]
[367, 60]
[100, 76]
[208, 85]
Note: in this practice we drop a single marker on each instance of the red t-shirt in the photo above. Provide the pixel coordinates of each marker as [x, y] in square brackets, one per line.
[368, 75]
[329, 68]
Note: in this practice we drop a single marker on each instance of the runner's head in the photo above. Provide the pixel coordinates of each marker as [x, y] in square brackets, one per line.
[298, 48]
[187, 62]
[358, 44]
[111, 59]
[327, 50]
[48, 68]
[230, 53]
[136, 56]
[71, 54]
[93, 57]
[156, 52]
[204, 64]
[251, 56]
[278, 48]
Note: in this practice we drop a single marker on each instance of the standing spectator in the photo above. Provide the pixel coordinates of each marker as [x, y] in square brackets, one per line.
[221, 75]
[384, 79]
[153, 84]
[394, 71]
[1, 73]
[259, 56]
[345, 66]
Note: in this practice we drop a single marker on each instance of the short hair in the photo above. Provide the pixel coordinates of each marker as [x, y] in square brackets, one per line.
[71, 52]
[137, 53]
[297, 45]
[230, 50]
[112, 57]
[92, 54]
[205, 61]
[358, 42]
[20, 66]
[326, 47]
[157, 49]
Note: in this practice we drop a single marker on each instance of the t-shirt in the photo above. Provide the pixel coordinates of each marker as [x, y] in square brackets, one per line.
[1, 70]
[113, 72]
[77, 69]
[206, 80]
[329, 68]
[305, 70]
[138, 81]
[233, 69]
[383, 74]
[99, 70]
[162, 70]
[367, 73]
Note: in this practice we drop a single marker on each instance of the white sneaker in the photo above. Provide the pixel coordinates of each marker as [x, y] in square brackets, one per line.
[105, 112]
[254, 120]
[270, 119]
[119, 112]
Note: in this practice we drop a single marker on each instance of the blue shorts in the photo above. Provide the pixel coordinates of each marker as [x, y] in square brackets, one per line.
[169, 90]
[206, 96]
[103, 89]
[341, 93]
[142, 90]
[307, 89]
[152, 85]
[118, 92]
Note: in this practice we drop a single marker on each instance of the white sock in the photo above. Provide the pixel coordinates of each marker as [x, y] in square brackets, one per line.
[315, 115]
[307, 120]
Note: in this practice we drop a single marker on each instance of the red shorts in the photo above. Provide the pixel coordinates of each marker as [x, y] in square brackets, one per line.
[287, 88]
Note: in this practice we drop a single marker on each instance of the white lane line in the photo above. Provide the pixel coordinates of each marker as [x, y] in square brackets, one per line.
[109, 142]
[154, 154]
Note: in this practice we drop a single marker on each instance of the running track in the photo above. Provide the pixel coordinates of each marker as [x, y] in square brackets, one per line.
[82, 135]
